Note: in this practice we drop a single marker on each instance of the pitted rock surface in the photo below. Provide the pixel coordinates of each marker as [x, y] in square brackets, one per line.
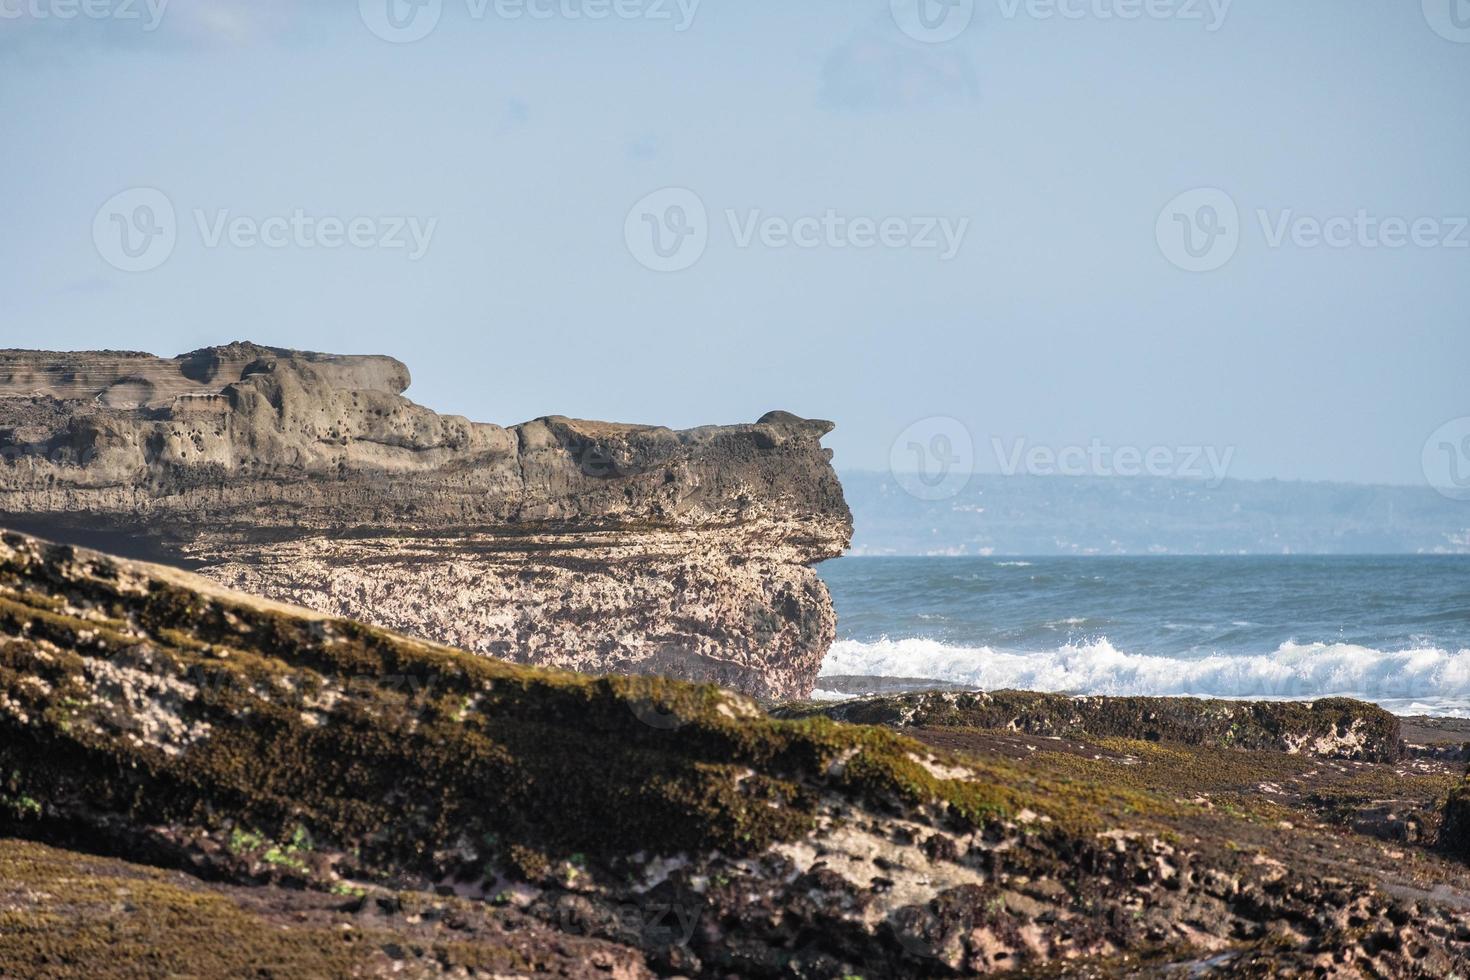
[350, 802]
[310, 478]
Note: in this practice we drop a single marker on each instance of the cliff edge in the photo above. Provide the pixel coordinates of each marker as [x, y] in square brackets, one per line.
[310, 478]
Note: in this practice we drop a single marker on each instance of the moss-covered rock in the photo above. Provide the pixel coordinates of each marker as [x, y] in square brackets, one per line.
[1454, 834]
[65, 914]
[1336, 727]
[148, 713]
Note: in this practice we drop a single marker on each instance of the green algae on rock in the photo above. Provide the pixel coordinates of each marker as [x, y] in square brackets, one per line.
[1336, 727]
[65, 914]
[152, 714]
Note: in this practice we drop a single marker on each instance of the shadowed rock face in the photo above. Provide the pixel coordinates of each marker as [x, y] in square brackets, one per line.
[310, 478]
[352, 802]
[1331, 727]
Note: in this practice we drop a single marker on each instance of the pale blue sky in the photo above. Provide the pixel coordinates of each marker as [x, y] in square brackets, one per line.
[1058, 321]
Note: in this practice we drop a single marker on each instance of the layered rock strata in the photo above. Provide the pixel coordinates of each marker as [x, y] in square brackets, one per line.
[309, 478]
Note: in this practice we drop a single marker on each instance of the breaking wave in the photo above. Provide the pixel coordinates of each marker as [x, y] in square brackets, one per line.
[1424, 680]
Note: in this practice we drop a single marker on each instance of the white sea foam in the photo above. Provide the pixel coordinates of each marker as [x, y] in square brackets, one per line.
[1425, 680]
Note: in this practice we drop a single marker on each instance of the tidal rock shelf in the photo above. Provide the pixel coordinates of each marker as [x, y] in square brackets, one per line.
[309, 478]
[1335, 727]
[338, 800]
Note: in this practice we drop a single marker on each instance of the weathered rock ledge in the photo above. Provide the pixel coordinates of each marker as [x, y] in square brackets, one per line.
[347, 801]
[309, 478]
[1333, 727]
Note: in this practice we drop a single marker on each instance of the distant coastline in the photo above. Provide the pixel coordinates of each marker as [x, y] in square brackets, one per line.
[1025, 515]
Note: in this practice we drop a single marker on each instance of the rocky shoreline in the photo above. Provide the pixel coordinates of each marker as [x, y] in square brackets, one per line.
[309, 478]
[196, 780]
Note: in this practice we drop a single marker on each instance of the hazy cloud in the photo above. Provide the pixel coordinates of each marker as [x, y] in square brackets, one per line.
[879, 70]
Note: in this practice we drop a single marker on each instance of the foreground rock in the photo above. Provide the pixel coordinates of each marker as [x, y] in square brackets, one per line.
[67, 914]
[457, 814]
[1330, 727]
[309, 478]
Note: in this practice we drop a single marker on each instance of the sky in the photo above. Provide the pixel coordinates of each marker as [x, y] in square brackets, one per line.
[1001, 231]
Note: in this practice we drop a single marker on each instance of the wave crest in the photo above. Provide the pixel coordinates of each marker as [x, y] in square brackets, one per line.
[1425, 680]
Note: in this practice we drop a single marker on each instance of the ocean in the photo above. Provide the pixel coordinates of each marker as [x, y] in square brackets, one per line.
[1394, 630]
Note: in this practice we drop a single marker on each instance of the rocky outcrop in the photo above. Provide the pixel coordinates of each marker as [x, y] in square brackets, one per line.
[1333, 727]
[444, 814]
[309, 478]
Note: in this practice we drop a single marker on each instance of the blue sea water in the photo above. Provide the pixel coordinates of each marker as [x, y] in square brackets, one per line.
[1394, 630]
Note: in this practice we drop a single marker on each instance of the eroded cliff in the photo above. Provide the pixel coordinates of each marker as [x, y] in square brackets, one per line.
[310, 478]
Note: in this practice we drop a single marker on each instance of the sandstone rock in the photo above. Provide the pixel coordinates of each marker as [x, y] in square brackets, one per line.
[310, 478]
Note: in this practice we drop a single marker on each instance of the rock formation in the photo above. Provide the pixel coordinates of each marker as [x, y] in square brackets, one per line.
[350, 802]
[309, 478]
[1333, 727]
